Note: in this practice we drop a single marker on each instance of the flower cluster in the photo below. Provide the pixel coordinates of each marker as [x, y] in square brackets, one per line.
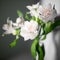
[42, 12]
[38, 25]
[30, 29]
[10, 27]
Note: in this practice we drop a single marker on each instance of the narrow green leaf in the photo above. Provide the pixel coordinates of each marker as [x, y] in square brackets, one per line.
[33, 48]
[27, 16]
[43, 37]
[43, 49]
[41, 52]
[33, 18]
[17, 31]
[13, 44]
[40, 22]
[48, 27]
[51, 26]
[19, 13]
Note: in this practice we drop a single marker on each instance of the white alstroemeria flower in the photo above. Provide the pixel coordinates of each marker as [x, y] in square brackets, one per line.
[29, 30]
[19, 22]
[33, 9]
[47, 12]
[9, 29]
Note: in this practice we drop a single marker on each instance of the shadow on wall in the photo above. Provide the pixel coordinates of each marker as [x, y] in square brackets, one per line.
[56, 38]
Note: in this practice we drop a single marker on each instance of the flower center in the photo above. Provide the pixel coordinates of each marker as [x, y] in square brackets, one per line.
[46, 12]
[30, 28]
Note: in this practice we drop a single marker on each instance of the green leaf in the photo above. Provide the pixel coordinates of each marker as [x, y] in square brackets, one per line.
[40, 22]
[48, 27]
[17, 31]
[43, 37]
[41, 55]
[13, 44]
[33, 18]
[33, 48]
[26, 16]
[41, 52]
[43, 49]
[19, 13]
[51, 26]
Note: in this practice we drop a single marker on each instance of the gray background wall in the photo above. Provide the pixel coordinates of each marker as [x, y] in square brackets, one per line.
[8, 8]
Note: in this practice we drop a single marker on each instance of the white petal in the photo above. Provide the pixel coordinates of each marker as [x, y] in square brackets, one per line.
[29, 7]
[5, 27]
[9, 21]
[18, 20]
[35, 5]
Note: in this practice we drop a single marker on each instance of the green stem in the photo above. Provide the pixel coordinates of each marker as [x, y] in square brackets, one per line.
[52, 27]
[41, 52]
[33, 47]
[36, 19]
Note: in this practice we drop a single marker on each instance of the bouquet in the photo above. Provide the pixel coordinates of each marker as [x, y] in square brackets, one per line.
[35, 25]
